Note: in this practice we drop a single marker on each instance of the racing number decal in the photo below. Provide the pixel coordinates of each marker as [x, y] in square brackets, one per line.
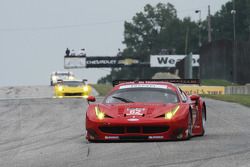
[135, 111]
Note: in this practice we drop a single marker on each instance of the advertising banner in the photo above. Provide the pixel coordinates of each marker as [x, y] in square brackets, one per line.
[195, 89]
[111, 62]
[170, 60]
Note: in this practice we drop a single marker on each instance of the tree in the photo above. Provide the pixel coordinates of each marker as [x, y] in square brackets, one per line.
[150, 31]
[222, 21]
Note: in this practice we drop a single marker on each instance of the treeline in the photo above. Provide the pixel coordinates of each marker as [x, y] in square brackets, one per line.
[157, 28]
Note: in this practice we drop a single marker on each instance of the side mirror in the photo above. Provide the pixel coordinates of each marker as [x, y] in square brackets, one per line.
[195, 98]
[91, 99]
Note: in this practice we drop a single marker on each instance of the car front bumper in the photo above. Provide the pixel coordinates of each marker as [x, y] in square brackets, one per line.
[158, 129]
[71, 95]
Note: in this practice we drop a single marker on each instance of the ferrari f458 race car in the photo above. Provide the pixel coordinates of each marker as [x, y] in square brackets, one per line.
[146, 110]
[72, 88]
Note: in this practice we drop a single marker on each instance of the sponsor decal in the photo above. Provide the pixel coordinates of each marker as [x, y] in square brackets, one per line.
[135, 111]
[155, 137]
[133, 119]
[111, 137]
[144, 86]
[170, 60]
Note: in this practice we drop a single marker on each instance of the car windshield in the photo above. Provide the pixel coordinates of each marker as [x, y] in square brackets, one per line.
[145, 95]
[73, 83]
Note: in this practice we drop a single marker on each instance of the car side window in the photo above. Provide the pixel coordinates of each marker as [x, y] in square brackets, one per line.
[183, 96]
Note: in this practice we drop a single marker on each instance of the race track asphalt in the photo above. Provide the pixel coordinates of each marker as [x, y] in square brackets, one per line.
[50, 132]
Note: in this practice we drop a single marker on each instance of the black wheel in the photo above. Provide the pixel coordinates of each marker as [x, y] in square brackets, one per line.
[51, 83]
[190, 123]
[203, 124]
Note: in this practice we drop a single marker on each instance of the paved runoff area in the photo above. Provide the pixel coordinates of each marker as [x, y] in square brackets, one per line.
[47, 132]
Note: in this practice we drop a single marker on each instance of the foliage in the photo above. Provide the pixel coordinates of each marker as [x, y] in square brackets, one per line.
[215, 82]
[150, 31]
[222, 21]
[158, 27]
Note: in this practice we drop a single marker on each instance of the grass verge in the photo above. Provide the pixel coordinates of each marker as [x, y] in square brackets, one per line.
[241, 99]
[216, 82]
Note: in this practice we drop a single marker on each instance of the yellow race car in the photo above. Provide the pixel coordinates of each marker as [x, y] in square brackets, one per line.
[72, 88]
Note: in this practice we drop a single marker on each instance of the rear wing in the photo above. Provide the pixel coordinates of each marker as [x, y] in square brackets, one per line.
[175, 81]
[60, 81]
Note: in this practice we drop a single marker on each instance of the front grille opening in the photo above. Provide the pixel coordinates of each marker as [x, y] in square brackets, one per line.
[133, 129]
[107, 116]
[161, 116]
[154, 129]
[72, 94]
[92, 133]
[133, 137]
[113, 130]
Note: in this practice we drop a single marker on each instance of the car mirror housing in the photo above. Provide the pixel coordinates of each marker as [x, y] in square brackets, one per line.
[194, 97]
[91, 99]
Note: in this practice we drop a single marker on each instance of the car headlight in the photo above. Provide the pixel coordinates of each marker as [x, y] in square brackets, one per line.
[171, 113]
[85, 88]
[60, 88]
[100, 115]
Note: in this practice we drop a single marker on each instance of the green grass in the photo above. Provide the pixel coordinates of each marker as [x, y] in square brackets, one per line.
[241, 99]
[102, 89]
[216, 82]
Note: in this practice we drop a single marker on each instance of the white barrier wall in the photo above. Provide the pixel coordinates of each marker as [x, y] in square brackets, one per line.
[238, 89]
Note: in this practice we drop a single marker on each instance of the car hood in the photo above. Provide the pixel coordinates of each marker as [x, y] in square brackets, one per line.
[147, 110]
[72, 88]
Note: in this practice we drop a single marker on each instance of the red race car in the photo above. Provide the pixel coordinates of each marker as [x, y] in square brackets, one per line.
[146, 110]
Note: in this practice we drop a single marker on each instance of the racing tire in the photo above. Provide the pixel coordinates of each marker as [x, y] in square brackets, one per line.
[203, 119]
[190, 122]
[51, 83]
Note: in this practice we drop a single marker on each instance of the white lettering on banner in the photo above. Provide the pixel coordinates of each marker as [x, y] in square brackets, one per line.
[101, 62]
[170, 60]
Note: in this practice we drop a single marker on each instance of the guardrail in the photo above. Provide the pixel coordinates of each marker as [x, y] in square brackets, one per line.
[216, 90]
[238, 89]
[195, 89]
